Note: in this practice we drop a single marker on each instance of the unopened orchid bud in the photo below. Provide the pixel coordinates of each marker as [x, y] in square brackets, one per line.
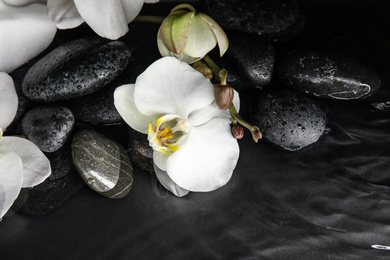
[223, 96]
[238, 131]
[189, 36]
[203, 68]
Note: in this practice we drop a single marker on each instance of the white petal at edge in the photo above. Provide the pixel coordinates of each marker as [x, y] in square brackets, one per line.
[11, 179]
[105, 17]
[167, 182]
[8, 100]
[23, 2]
[207, 160]
[36, 166]
[170, 86]
[131, 8]
[20, 25]
[124, 103]
[64, 13]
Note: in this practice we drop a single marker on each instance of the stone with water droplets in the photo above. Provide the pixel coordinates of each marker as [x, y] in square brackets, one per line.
[49, 127]
[328, 74]
[254, 59]
[75, 69]
[103, 164]
[289, 120]
[277, 19]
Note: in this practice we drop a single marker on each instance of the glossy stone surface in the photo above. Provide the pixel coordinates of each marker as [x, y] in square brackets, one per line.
[254, 58]
[103, 164]
[75, 69]
[275, 19]
[289, 120]
[49, 127]
[139, 150]
[328, 74]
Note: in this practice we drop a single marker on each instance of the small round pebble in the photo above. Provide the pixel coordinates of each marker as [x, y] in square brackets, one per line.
[49, 127]
[289, 120]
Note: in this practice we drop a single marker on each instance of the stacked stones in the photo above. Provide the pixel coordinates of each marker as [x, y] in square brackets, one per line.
[68, 96]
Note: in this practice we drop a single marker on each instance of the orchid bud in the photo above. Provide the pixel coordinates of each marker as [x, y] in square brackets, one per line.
[189, 36]
[203, 68]
[223, 96]
[238, 131]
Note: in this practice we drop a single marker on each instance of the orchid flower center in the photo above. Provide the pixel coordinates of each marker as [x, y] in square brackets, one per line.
[169, 133]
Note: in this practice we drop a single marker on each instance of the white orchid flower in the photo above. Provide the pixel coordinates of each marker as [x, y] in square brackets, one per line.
[108, 18]
[25, 31]
[174, 104]
[22, 164]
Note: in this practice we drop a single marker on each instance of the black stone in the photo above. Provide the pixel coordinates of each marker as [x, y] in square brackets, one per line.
[103, 164]
[48, 127]
[277, 19]
[61, 162]
[253, 56]
[328, 74]
[139, 150]
[289, 120]
[75, 69]
[48, 195]
[98, 108]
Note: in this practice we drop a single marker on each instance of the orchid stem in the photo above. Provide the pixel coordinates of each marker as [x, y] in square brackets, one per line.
[236, 118]
[149, 19]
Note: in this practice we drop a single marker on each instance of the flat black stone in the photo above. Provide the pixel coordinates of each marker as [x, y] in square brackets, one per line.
[48, 195]
[289, 120]
[253, 56]
[75, 69]
[274, 19]
[328, 74]
[49, 127]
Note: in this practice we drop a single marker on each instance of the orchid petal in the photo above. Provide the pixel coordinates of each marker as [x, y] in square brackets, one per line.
[160, 160]
[8, 100]
[222, 39]
[207, 160]
[204, 114]
[202, 38]
[23, 2]
[167, 182]
[124, 103]
[64, 13]
[11, 179]
[105, 17]
[36, 166]
[170, 86]
[131, 8]
[25, 32]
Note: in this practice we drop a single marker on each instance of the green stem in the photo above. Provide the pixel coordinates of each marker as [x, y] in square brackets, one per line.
[255, 131]
[149, 19]
[214, 67]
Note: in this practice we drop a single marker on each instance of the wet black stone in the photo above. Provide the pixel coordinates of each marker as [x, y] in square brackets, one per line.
[75, 69]
[254, 58]
[98, 108]
[61, 162]
[48, 195]
[139, 150]
[289, 120]
[276, 19]
[48, 127]
[328, 74]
